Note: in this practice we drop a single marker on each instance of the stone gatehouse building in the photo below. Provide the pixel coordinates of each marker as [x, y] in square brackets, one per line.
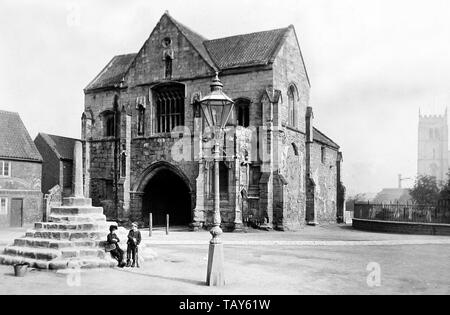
[277, 169]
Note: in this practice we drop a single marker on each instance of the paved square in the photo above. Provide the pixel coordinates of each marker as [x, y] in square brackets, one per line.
[323, 260]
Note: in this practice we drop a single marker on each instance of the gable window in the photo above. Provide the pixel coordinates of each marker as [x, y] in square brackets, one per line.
[243, 113]
[168, 67]
[141, 120]
[109, 124]
[5, 169]
[169, 101]
[3, 206]
[323, 155]
[292, 111]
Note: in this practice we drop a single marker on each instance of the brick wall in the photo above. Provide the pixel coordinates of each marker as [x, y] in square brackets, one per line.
[24, 183]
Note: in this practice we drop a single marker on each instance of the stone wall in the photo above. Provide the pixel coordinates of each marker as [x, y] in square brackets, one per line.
[289, 70]
[325, 178]
[24, 183]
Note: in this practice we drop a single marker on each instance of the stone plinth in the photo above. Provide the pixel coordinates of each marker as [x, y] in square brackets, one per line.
[75, 235]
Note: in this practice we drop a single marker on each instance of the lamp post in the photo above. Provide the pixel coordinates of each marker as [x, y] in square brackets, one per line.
[217, 108]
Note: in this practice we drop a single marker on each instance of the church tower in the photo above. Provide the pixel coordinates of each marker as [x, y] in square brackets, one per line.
[433, 146]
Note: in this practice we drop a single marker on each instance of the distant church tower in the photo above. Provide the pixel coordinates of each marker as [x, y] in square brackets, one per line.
[433, 146]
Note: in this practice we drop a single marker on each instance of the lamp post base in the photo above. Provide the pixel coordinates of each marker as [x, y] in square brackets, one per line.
[215, 275]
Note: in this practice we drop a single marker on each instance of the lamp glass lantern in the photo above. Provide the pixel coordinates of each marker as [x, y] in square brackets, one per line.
[217, 108]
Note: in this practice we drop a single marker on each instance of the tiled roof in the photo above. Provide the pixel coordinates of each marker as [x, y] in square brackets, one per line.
[62, 146]
[321, 138]
[220, 54]
[15, 141]
[245, 50]
[113, 73]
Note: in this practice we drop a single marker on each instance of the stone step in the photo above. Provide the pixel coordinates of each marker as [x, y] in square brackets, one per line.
[42, 253]
[58, 264]
[72, 210]
[33, 253]
[75, 201]
[56, 244]
[77, 218]
[84, 252]
[68, 235]
[70, 226]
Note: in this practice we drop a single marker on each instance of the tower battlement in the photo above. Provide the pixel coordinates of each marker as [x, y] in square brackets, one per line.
[433, 146]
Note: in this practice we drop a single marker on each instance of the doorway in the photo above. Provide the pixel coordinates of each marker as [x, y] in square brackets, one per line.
[167, 193]
[16, 213]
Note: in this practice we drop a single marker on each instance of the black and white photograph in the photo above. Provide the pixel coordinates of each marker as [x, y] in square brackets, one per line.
[224, 153]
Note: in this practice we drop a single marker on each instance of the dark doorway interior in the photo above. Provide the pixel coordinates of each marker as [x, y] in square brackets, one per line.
[167, 193]
[16, 212]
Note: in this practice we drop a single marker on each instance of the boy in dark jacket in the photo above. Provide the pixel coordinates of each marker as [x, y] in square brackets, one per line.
[113, 246]
[134, 239]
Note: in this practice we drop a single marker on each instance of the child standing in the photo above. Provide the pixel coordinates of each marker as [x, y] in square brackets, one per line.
[134, 239]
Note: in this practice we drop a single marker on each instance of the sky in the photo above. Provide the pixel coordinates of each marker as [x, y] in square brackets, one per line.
[372, 64]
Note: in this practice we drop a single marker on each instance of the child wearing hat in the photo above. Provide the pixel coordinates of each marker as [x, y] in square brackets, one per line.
[113, 246]
[134, 239]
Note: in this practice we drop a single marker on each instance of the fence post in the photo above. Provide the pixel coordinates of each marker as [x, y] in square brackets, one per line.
[167, 224]
[150, 225]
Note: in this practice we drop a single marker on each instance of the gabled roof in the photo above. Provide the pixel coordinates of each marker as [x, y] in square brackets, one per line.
[15, 141]
[318, 136]
[195, 39]
[62, 146]
[114, 72]
[254, 49]
[246, 50]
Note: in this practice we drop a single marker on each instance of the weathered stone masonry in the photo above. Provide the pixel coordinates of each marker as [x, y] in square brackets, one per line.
[266, 171]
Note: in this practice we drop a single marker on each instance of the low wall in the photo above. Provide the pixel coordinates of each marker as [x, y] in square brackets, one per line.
[401, 227]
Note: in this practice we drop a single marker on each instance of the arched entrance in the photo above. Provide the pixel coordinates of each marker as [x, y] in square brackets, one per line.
[166, 191]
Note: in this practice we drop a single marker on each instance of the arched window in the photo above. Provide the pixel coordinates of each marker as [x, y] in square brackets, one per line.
[141, 120]
[109, 124]
[292, 111]
[123, 164]
[242, 112]
[168, 68]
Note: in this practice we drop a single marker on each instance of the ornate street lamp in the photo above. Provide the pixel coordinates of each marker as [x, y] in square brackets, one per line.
[217, 108]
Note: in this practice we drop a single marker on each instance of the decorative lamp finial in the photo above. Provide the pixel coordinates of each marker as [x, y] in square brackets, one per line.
[216, 84]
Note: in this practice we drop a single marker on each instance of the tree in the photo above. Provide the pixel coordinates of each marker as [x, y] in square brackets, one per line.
[425, 190]
[445, 191]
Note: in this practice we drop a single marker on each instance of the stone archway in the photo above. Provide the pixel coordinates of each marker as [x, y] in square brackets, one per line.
[166, 190]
